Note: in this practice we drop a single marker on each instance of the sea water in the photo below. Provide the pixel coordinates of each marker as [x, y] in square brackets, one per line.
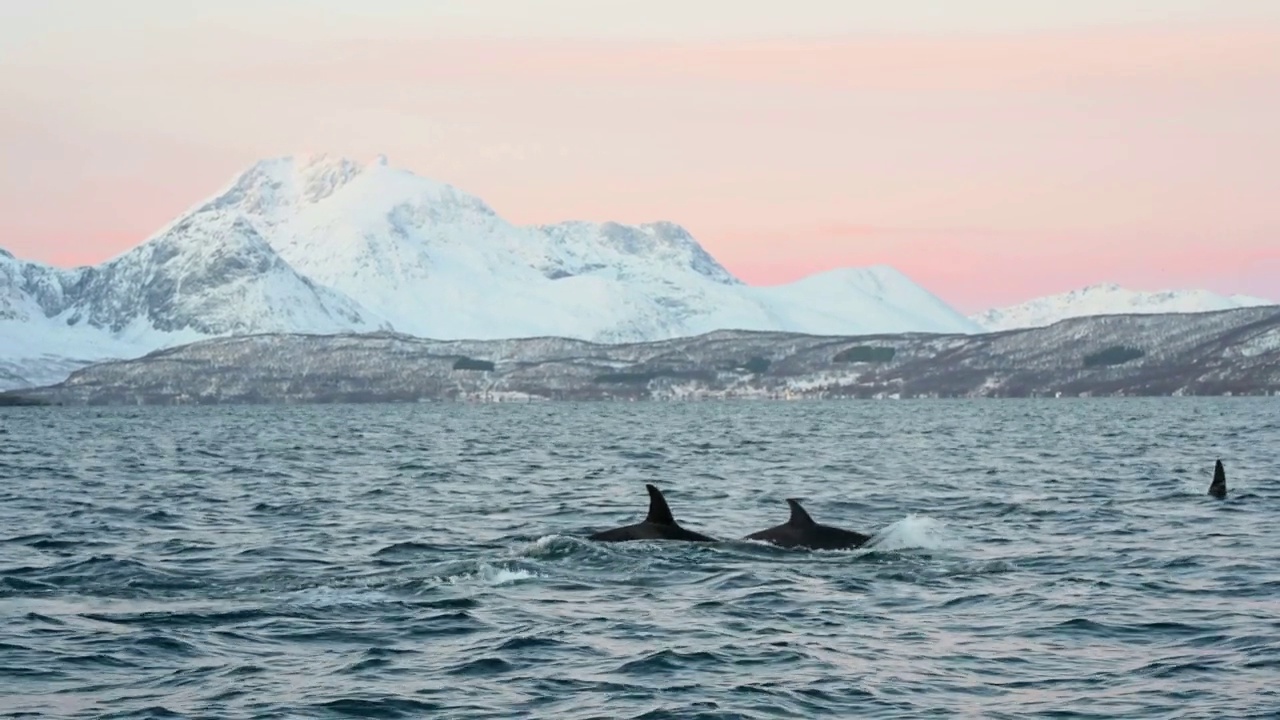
[1037, 558]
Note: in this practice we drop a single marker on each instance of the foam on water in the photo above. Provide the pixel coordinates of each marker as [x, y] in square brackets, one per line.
[913, 532]
[486, 574]
[554, 546]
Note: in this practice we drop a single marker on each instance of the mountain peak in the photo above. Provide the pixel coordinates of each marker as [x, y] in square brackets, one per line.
[319, 176]
[273, 190]
[1100, 287]
[289, 179]
[872, 278]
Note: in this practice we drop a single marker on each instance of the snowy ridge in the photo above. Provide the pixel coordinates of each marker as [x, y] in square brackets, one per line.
[1108, 299]
[875, 299]
[327, 245]
[624, 251]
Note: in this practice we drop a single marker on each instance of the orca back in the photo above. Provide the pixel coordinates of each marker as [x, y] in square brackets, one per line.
[800, 530]
[658, 524]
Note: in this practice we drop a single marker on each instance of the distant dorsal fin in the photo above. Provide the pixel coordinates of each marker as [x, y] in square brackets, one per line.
[799, 518]
[659, 513]
[1218, 488]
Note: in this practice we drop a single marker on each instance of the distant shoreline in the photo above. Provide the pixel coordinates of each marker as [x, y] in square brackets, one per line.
[12, 399]
[1231, 353]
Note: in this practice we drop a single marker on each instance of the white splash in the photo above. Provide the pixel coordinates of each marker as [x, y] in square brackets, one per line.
[912, 532]
[548, 546]
[486, 574]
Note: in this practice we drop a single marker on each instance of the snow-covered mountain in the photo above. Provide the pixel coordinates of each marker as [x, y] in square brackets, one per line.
[325, 245]
[433, 261]
[1108, 299]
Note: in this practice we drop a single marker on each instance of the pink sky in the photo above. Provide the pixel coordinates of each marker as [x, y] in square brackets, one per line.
[989, 165]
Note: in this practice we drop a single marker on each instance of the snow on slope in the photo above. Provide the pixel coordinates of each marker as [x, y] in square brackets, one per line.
[672, 285]
[16, 304]
[876, 299]
[43, 351]
[208, 275]
[36, 349]
[626, 252]
[200, 277]
[1108, 299]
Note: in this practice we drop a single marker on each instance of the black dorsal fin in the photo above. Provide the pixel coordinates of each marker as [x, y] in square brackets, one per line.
[659, 513]
[799, 518]
[1218, 488]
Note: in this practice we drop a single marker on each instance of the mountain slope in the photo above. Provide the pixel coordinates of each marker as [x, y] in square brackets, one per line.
[1229, 352]
[876, 299]
[211, 276]
[1108, 299]
[200, 277]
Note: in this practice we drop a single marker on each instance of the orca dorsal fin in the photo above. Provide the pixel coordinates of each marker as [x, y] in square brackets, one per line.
[799, 518]
[659, 513]
[1218, 488]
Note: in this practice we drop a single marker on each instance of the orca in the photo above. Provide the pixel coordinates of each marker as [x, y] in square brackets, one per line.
[657, 525]
[801, 531]
[1218, 488]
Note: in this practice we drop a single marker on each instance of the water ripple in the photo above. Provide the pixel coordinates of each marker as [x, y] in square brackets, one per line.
[1030, 559]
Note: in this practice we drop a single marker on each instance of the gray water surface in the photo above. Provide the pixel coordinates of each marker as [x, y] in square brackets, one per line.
[1032, 559]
